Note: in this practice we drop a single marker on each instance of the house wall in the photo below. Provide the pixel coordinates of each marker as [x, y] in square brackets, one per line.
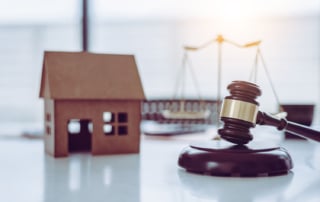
[49, 129]
[93, 110]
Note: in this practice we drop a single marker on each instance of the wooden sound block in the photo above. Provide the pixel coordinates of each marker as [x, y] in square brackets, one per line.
[220, 158]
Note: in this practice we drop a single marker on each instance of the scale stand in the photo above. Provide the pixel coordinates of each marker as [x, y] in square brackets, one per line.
[221, 158]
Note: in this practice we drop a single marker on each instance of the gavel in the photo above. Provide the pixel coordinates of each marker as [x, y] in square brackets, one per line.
[240, 112]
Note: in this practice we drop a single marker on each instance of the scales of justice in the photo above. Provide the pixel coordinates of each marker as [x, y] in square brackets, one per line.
[172, 112]
[233, 154]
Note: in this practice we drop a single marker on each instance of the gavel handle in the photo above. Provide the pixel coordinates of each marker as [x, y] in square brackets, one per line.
[282, 124]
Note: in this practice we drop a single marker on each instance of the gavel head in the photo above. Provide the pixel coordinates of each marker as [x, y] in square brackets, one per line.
[239, 112]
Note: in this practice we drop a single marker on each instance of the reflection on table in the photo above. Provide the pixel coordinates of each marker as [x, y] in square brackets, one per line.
[28, 175]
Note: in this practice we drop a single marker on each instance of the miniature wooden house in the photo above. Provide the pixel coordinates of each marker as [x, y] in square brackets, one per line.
[92, 102]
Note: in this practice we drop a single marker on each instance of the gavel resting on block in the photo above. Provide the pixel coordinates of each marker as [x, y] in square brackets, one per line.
[237, 156]
[240, 113]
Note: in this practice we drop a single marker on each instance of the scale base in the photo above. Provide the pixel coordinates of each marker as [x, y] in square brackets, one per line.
[219, 158]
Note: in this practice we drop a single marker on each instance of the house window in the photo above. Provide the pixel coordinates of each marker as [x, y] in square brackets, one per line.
[108, 129]
[108, 117]
[48, 130]
[115, 123]
[122, 130]
[122, 117]
[122, 120]
[48, 117]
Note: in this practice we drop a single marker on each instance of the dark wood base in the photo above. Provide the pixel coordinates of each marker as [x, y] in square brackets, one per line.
[220, 158]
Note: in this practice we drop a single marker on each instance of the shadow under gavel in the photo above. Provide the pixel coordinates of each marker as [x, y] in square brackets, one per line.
[240, 112]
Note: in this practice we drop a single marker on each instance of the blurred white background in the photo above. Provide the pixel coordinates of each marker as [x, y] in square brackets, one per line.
[155, 32]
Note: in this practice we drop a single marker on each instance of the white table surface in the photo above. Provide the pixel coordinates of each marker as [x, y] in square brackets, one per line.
[29, 175]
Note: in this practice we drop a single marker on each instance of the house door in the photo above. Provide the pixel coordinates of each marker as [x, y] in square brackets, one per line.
[79, 135]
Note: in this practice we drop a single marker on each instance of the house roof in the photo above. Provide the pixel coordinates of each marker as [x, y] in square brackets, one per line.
[83, 75]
